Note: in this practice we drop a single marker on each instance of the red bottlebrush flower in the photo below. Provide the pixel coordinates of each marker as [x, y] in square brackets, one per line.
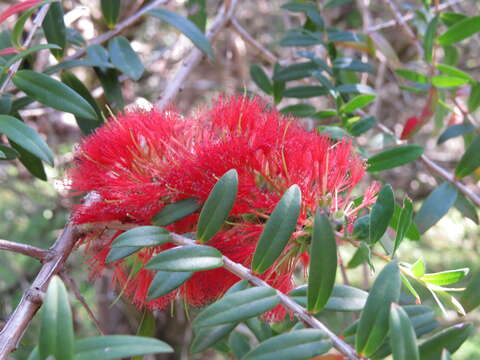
[144, 160]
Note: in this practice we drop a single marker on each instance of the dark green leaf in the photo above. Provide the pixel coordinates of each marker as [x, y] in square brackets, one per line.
[470, 160]
[344, 36]
[361, 227]
[381, 213]
[308, 8]
[429, 38]
[278, 85]
[17, 31]
[54, 28]
[450, 55]
[187, 258]
[197, 13]
[25, 137]
[450, 18]
[361, 126]
[277, 230]
[356, 103]
[396, 156]
[374, 320]
[412, 76]
[186, 27]
[412, 231]
[260, 328]
[474, 98]
[454, 131]
[165, 282]
[8, 153]
[402, 335]
[238, 306]
[299, 110]
[56, 326]
[435, 206]
[361, 256]
[176, 211]
[32, 163]
[112, 88]
[218, 206]
[142, 236]
[120, 253]
[261, 79]
[471, 296]
[65, 65]
[451, 339]
[466, 208]
[460, 31]
[351, 64]
[239, 344]
[304, 92]
[404, 222]
[323, 264]
[26, 53]
[296, 345]
[124, 58]
[301, 37]
[110, 11]
[117, 347]
[355, 89]
[53, 93]
[295, 71]
[74, 37]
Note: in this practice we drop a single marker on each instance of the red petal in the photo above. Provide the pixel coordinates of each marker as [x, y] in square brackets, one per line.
[18, 7]
[411, 127]
[7, 51]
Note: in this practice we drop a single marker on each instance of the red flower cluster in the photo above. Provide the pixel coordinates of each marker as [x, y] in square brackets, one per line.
[142, 161]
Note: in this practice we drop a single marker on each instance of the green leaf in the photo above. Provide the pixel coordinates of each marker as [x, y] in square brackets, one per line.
[460, 31]
[404, 222]
[197, 13]
[25, 137]
[466, 208]
[218, 205]
[26, 53]
[299, 110]
[239, 344]
[471, 296]
[112, 88]
[412, 231]
[261, 79]
[374, 320]
[429, 38]
[474, 98]
[450, 18]
[356, 103]
[351, 64]
[344, 36]
[295, 71]
[110, 11]
[301, 37]
[259, 328]
[361, 256]
[124, 58]
[296, 345]
[277, 231]
[323, 264]
[412, 76]
[278, 86]
[142, 236]
[402, 335]
[187, 258]
[238, 306]
[308, 8]
[445, 277]
[8, 153]
[454, 131]
[176, 211]
[32, 163]
[304, 92]
[455, 72]
[442, 81]
[394, 157]
[362, 125]
[120, 253]
[56, 326]
[418, 268]
[146, 328]
[450, 338]
[165, 282]
[446, 355]
[117, 347]
[355, 89]
[381, 213]
[186, 27]
[435, 206]
[54, 28]
[343, 298]
[17, 31]
[470, 161]
[53, 93]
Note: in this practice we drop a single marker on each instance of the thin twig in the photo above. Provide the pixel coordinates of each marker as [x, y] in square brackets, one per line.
[193, 58]
[72, 285]
[37, 22]
[28, 250]
[15, 327]
[290, 305]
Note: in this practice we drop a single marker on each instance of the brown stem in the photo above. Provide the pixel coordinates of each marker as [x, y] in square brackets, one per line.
[32, 251]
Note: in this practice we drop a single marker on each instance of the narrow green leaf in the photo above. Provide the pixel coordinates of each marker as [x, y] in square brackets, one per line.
[470, 161]
[25, 53]
[471, 296]
[474, 98]
[8, 153]
[146, 328]
[53, 93]
[112, 88]
[404, 222]
[299, 110]
[110, 11]
[402, 335]
[277, 230]
[355, 89]
[56, 327]
[186, 27]
[165, 282]
[308, 8]
[295, 71]
[356, 103]
[120, 253]
[142, 236]
[450, 338]
[259, 328]
[362, 125]
[54, 28]
[394, 157]
[361, 256]
[187, 258]
[451, 18]
[17, 31]
[454, 131]
[239, 344]
[412, 76]
[176, 211]
[31, 162]
[435, 206]
[351, 64]
[124, 58]
[323, 264]
[278, 85]
[443, 81]
[412, 232]
[304, 92]
[301, 37]
[197, 13]
[460, 31]
[218, 206]
[381, 213]
[117, 347]
[455, 72]
[261, 79]
[25, 137]
[374, 320]
[343, 298]
[466, 208]
[445, 277]
[296, 345]
[238, 306]
[428, 39]
[418, 268]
